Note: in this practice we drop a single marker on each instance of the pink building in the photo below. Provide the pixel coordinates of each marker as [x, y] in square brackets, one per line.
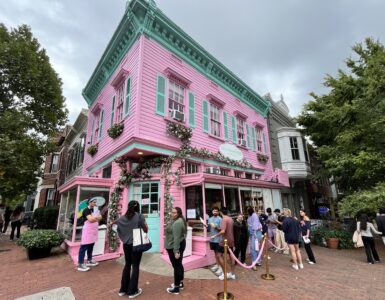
[169, 125]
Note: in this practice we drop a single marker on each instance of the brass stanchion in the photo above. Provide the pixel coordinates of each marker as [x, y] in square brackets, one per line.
[225, 295]
[267, 276]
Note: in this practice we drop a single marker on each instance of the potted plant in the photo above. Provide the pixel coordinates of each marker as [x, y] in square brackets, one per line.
[115, 130]
[93, 149]
[39, 242]
[332, 239]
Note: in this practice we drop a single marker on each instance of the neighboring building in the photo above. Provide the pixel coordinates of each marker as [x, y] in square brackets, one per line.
[289, 152]
[53, 174]
[152, 78]
[76, 143]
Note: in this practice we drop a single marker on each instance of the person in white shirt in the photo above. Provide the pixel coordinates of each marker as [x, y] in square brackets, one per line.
[365, 228]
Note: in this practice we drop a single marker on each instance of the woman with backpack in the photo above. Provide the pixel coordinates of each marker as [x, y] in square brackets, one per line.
[126, 224]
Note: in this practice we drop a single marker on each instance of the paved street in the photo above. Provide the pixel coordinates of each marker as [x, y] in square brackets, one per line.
[338, 275]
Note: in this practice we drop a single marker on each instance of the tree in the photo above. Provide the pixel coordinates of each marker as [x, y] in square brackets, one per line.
[32, 108]
[347, 125]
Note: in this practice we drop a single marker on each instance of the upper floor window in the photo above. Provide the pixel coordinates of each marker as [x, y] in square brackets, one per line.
[224, 172]
[120, 104]
[176, 99]
[248, 176]
[294, 148]
[191, 168]
[241, 132]
[258, 138]
[107, 171]
[50, 197]
[238, 174]
[55, 163]
[215, 120]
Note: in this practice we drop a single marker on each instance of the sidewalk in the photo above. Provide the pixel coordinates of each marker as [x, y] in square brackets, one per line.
[337, 275]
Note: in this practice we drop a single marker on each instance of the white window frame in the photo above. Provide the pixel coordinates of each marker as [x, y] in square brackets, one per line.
[176, 96]
[55, 166]
[240, 130]
[258, 138]
[294, 148]
[120, 102]
[50, 200]
[215, 119]
[191, 168]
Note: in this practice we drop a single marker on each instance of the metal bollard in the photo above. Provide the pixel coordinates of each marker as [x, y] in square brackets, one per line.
[267, 276]
[225, 295]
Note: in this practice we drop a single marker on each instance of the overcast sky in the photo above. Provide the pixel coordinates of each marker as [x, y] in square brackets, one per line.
[282, 47]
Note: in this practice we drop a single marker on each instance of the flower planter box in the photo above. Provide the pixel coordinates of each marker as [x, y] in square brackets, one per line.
[36, 253]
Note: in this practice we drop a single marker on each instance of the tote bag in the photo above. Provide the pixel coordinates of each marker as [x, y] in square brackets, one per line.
[141, 241]
[357, 240]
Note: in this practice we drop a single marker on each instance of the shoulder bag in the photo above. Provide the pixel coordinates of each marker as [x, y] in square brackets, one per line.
[141, 241]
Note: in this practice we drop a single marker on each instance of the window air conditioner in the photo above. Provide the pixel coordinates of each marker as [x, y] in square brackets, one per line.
[177, 115]
[213, 170]
[242, 142]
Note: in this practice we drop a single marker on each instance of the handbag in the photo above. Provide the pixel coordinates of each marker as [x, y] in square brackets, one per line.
[357, 239]
[306, 240]
[141, 241]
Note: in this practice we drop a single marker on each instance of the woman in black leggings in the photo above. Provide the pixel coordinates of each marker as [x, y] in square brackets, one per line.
[305, 230]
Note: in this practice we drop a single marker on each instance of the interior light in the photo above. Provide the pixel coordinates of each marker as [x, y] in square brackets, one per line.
[140, 153]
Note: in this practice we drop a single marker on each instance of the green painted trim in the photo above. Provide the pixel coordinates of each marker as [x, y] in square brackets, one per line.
[128, 97]
[101, 125]
[191, 109]
[234, 130]
[160, 101]
[248, 136]
[112, 111]
[225, 126]
[142, 17]
[253, 137]
[164, 152]
[205, 116]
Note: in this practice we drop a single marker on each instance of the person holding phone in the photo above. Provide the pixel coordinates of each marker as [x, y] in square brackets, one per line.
[213, 227]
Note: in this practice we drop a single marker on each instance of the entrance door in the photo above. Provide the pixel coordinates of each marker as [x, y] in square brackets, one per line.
[147, 194]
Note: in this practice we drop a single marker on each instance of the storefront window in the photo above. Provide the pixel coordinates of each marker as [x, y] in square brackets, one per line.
[246, 199]
[194, 209]
[232, 201]
[213, 195]
[258, 199]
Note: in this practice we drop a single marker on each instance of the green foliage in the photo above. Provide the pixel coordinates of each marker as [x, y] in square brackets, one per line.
[115, 130]
[41, 239]
[32, 108]
[365, 201]
[93, 149]
[322, 233]
[45, 217]
[347, 124]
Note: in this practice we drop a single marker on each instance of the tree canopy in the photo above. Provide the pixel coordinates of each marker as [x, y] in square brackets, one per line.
[32, 108]
[347, 125]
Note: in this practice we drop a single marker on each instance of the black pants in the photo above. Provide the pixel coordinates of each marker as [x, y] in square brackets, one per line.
[5, 226]
[129, 282]
[15, 225]
[240, 248]
[89, 248]
[309, 252]
[370, 249]
[177, 263]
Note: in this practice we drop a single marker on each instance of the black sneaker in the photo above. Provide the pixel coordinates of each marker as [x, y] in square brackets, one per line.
[173, 290]
[181, 286]
[138, 293]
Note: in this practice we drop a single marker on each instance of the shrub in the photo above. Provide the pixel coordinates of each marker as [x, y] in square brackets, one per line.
[115, 130]
[41, 238]
[45, 217]
[322, 233]
[92, 150]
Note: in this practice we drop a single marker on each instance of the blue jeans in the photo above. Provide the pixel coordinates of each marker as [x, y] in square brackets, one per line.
[82, 252]
[253, 235]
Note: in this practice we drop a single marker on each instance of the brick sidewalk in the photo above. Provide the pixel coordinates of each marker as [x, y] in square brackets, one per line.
[338, 275]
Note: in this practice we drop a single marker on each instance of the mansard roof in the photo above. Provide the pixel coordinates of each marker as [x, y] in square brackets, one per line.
[143, 17]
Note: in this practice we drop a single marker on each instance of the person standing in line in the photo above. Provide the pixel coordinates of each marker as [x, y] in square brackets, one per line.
[7, 218]
[227, 234]
[291, 228]
[280, 235]
[365, 227]
[380, 220]
[175, 244]
[241, 238]
[214, 226]
[262, 219]
[255, 234]
[89, 236]
[271, 226]
[125, 226]
[2, 219]
[305, 230]
[16, 219]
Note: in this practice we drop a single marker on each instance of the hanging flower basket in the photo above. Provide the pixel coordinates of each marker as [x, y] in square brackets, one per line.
[115, 130]
[180, 131]
[92, 150]
[263, 158]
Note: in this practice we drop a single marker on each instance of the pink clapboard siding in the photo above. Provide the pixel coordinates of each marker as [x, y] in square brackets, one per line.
[152, 127]
[107, 145]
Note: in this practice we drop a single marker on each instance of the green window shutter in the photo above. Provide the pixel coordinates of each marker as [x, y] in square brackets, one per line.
[160, 95]
[226, 129]
[264, 143]
[101, 123]
[248, 136]
[234, 129]
[253, 137]
[191, 110]
[205, 116]
[112, 111]
[92, 131]
[128, 95]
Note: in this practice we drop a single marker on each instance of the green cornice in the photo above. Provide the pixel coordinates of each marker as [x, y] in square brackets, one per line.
[143, 17]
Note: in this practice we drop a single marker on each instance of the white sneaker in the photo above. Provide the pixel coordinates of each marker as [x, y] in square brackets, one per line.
[230, 276]
[307, 259]
[221, 277]
[91, 263]
[138, 293]
[121, 294]
[295, 267]
[219, 271]
[214, 268]
[311, 262]
[83, 268]
[300, 266]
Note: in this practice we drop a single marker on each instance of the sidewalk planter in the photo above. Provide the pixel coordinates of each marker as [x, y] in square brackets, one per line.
[40, 242]
[332, 243]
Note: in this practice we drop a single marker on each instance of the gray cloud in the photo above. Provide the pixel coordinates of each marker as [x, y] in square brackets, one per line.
[282, 47]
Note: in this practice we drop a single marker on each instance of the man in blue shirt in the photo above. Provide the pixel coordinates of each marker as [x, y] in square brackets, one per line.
[213, 227]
